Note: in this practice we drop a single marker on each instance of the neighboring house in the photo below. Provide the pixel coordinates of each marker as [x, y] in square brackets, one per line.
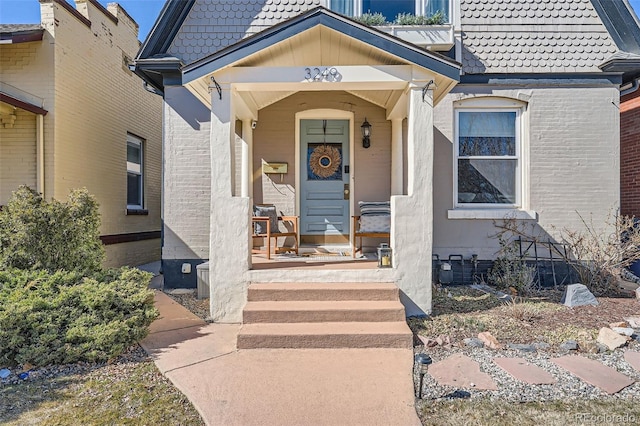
[502, 111]
[73, 115]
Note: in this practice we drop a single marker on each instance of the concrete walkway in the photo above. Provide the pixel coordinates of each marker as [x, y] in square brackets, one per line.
[278, 386]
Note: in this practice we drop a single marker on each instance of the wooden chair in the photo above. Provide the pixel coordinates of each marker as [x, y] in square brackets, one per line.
[269, 229]
[355, 231]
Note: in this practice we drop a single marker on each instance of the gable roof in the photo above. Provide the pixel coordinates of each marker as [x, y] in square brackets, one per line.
[165, 28]
[151, 61]
[322, 16]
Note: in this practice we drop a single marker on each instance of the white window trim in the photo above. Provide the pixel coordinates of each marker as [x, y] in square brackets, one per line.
[519, 210]
[131, 168]
[418, 10]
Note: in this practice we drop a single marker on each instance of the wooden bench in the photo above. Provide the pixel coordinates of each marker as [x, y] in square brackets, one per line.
[276, 233]
[355, 234]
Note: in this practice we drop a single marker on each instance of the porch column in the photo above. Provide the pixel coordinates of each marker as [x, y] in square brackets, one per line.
[229, 249]
[412, 214]
[246, 188]
[397, 171]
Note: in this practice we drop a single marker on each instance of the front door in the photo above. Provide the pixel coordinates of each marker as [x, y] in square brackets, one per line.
[324, 181]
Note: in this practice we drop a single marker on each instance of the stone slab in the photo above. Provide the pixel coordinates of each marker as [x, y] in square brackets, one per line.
[633, 358]
[303, 387]
[524, 371]
[173, 315]
[595, 373]
[461, 371]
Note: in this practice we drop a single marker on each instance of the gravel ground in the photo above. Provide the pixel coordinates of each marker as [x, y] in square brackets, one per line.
[187, 298]
[567, 388]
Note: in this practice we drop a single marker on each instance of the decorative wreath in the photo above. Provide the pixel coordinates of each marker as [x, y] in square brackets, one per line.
[324, 160]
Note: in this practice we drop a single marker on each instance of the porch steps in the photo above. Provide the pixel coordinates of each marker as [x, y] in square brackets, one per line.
[324, 315]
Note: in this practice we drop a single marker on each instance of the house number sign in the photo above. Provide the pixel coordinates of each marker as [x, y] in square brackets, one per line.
[321, 74]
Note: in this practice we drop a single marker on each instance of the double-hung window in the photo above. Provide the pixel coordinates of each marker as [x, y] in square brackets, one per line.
[488, 160]
[391, 8]
[135, 172]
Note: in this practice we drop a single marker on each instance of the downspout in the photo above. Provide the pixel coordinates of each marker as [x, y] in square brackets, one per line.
[633, 88]
[40, 154]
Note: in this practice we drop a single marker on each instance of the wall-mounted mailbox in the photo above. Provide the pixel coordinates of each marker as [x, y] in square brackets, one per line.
[274, 168]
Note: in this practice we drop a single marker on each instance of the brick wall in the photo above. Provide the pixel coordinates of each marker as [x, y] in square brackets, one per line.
[630, 154]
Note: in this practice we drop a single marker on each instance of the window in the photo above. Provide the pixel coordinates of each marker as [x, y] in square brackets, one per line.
[390, 8]
[135, 173]
[488, 158]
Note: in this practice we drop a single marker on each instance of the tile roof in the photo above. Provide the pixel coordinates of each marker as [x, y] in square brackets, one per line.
[506, 36]
[213, 25]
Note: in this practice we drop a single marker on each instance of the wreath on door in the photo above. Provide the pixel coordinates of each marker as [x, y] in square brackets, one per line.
[324, 161]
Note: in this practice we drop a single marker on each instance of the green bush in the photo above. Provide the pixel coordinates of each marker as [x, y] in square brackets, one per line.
[35, 234]
[372, 19]
[411, 19]
[63, 317]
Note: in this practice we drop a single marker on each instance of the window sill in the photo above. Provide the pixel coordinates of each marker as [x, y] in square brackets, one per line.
[137, 212]
[492, 214]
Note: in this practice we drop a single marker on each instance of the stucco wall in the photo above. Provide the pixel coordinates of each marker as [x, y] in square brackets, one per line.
[274, 141]
[573, 160]
[17, 154]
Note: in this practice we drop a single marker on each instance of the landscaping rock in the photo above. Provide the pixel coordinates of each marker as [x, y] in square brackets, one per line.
[634, 322]
[610, 338]
[541, 346]
[638, 293]
[569, 345]
[625, 331]
[474, 342]
[578, 295]
[489, 341]
[622, 324]
[521, 347]
[602, 348]
[590, 347]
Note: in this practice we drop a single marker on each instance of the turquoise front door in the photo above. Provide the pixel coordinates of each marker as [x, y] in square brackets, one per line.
[324, 180]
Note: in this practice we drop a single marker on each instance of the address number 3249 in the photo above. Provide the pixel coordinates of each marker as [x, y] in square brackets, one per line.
[321, 74]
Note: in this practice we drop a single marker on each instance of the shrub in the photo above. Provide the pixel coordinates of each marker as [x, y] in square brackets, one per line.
[411, 19]
[35, 234]
[509, 270]
[372, 19]
[64, 317]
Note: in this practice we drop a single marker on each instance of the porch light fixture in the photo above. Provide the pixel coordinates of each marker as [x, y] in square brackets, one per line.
[422, 363]
[366, 133]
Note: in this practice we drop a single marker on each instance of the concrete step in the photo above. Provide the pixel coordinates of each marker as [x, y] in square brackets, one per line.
[326, 335]
[322, 291]
[323, 311]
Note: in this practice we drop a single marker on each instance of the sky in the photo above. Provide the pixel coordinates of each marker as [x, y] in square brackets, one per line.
[144, 12]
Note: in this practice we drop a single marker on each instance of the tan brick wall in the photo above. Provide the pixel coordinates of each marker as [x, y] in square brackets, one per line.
[17, 154]
[93, 102]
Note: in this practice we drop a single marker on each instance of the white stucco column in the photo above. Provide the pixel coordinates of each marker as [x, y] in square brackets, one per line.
[246, 188]
[396, 157]
[229, 251]
[412, 214]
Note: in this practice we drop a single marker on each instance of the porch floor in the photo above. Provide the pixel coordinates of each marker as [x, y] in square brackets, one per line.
[260, 262]
[323, 257]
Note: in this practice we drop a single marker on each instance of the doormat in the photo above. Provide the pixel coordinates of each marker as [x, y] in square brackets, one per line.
[322, 257]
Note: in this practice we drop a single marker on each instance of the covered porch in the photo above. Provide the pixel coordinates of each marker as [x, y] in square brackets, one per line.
[282, 96]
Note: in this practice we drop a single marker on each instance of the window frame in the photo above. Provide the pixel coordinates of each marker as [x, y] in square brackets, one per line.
[519, 178]
[418, 10]
[140, 142]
